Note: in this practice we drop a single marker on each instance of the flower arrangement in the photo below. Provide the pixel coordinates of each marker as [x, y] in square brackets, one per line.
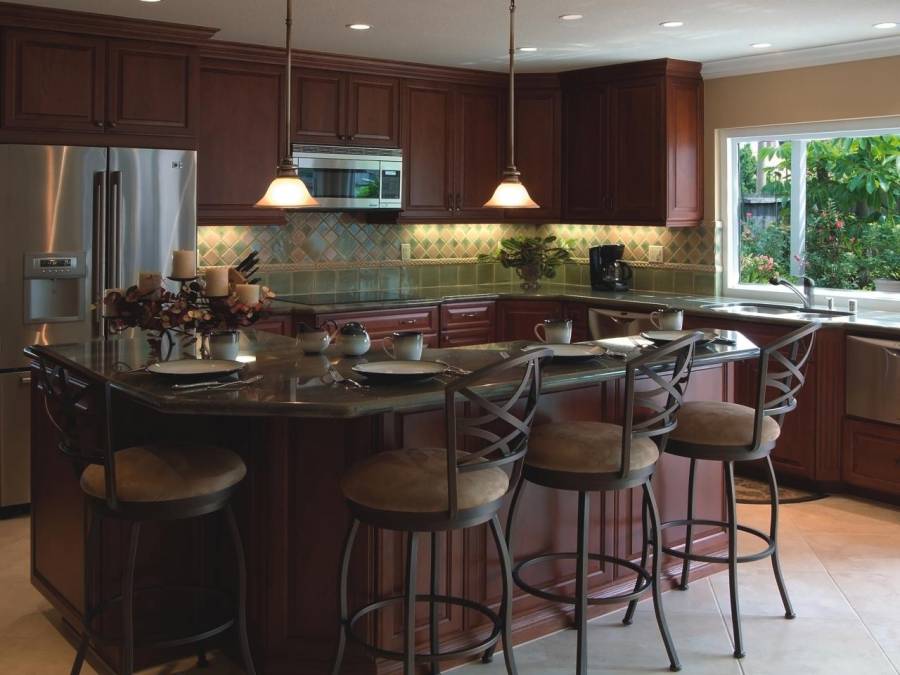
[188, 312]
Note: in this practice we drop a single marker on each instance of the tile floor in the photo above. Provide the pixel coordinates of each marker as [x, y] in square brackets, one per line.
[842, 565]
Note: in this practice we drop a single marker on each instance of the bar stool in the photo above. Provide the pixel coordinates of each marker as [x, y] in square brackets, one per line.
[431, 490]
[729, 433]
[136, 485]
[596, 456]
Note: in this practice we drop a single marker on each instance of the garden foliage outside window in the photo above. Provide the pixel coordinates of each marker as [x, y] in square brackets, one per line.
[840, 225]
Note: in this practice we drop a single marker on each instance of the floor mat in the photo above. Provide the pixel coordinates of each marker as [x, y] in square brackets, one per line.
[752, 491]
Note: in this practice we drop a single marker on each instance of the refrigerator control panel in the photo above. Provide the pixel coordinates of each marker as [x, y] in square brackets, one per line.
[65, 265]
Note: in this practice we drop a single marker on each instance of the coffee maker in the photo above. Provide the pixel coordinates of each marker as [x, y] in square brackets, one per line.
[608, 271]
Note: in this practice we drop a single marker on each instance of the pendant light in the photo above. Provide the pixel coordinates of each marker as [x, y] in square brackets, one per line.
[287, 191]
[511, 194]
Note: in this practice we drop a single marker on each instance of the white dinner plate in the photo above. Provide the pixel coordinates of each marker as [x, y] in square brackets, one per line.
[664, 336]
[195, 367]
[570, 351]
[399, 371]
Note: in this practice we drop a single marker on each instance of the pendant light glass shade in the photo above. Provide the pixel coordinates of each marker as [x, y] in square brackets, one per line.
[287, 191]
[511, 194]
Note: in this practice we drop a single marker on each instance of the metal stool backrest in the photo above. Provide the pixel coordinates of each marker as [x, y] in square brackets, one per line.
[71, 408]
[669, 367]
[500, 429]
[791, 353]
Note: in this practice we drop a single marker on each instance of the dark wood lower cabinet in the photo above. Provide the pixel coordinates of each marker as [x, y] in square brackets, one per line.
[871, 457]
[293, 522]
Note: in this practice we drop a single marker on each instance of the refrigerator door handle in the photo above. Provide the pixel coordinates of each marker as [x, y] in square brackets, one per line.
[114, 223]
[98, 278]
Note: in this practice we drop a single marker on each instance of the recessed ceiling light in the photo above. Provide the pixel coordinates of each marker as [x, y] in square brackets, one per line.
[672, 24]
[885, 25]
[571, 17]
[358, 26]
[528, 49]
[761, 45]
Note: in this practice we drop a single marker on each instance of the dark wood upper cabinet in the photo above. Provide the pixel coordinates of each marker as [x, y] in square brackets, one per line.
[151, 88]
[240, 131]
[586, 170]
[479, 148]
[453, 146]
[537, 126]
[54, 81]
[633, 148]
[428, 112]
[61, 82]
[373, 111]
[334, 108]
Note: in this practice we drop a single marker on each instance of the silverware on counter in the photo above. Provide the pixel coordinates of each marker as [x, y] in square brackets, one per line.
[450, 369]
[337, 378]
[215, 385]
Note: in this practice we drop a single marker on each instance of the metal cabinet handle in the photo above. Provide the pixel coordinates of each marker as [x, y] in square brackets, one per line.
[99, 124]
[408, 322]
[25, 379]
[471, 315]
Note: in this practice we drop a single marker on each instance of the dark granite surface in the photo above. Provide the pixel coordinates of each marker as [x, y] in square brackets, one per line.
[879, 321]
[292, 381]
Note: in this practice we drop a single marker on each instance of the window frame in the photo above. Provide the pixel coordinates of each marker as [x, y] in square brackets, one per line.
[728, 179]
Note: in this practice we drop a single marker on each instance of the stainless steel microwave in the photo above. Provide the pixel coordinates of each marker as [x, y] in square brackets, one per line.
[351, 179]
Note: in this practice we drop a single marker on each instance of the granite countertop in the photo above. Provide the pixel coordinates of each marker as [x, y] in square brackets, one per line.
[322, 303]
[292, 381]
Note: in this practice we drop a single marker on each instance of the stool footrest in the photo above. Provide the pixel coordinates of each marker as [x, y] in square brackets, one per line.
[393, 655]
[694, 557]
[645, 576]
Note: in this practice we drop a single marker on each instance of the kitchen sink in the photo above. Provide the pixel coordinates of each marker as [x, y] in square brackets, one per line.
[772, 309]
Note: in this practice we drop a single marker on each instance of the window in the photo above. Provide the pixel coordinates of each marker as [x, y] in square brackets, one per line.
[814, 202]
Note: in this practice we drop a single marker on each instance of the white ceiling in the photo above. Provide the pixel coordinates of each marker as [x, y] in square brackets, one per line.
[472, 33]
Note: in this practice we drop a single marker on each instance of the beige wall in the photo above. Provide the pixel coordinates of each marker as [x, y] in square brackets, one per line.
[839, 91]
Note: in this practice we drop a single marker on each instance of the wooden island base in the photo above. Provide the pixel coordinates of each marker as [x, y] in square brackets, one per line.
[294, 521]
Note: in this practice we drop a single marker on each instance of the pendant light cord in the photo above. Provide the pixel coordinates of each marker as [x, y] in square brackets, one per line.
[288, 22]
[512, 85]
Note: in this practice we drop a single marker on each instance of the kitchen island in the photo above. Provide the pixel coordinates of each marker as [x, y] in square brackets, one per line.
[297, 435]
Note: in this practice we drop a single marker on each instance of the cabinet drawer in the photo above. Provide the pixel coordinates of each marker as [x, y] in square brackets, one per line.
[872, 455]
[380, 323]
[467, 336]
[467, 315]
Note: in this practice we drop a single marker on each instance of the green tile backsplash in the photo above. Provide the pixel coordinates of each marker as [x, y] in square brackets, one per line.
[335, 251]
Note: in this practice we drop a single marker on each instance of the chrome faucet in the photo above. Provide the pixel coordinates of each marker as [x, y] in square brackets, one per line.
[809, 287]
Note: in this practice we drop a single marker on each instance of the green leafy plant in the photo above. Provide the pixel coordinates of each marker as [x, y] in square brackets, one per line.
[533, 258]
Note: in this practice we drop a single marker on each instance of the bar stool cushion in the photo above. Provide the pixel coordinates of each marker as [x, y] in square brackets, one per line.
[415, 481]
[586, 447]
[162, 473]
[715, 423]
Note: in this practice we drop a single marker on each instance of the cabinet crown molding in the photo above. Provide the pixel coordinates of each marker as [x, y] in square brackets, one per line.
[105, 25]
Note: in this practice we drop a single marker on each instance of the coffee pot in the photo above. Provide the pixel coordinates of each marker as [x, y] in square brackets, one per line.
[608, 271]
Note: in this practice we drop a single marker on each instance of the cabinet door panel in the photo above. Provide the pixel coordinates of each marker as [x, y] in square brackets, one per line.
[586, 165]
[684, 138]
[428, 156]
[480, 150]
[537, 150]
[239, 139]
[516, 319]
[318, 114]
[373, 115]
[151, 88]
[54, 81]
[638, 155]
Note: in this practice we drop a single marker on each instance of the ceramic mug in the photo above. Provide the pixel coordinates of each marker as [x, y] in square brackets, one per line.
[315, 340]
[405, 346]
[555, 331]
[668, 319]
[224, 344]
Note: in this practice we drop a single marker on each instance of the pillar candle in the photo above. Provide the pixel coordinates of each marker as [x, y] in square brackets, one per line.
[248, 294]
[216, 281]
[184, 264]
[149, 282]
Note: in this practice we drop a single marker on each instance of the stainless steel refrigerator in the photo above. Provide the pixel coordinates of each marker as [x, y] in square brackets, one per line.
[73, 222]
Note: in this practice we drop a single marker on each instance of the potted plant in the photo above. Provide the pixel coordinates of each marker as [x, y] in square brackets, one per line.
[533, 258]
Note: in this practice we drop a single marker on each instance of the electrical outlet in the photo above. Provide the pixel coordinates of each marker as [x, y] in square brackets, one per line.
[656, 254]
[405, 252]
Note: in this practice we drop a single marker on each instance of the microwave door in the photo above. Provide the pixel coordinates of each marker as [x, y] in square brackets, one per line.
[347, 184]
